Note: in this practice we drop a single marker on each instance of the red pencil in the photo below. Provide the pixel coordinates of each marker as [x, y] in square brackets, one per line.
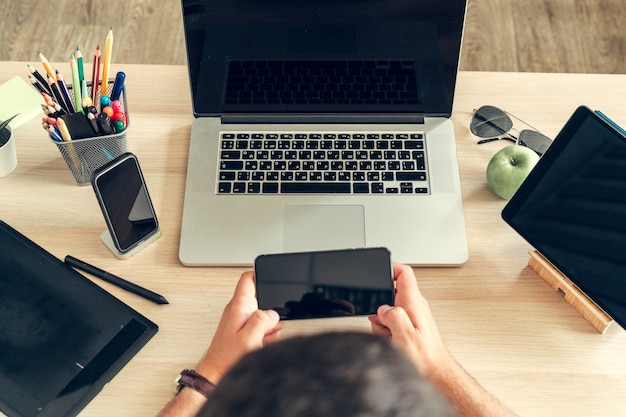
[95, 74]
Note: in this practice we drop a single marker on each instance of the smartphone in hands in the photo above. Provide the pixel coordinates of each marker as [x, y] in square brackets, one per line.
[326, 283]
[123, 197]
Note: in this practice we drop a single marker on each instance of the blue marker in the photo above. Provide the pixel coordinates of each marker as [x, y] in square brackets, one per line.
[118, 84]
[105, 101]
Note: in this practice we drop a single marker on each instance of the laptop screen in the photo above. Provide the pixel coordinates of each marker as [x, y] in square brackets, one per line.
[323, 56]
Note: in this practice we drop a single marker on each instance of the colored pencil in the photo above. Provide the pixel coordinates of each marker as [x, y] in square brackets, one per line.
[108, 48]
[81, 70]
[47, 67]
[76, 85]
[65, 133]
[40, 78]
[69, 105]
[58, 97]
[37, 85]
[95, 74]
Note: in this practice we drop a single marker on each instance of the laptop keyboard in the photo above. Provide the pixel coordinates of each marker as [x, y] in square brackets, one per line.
[323, 163]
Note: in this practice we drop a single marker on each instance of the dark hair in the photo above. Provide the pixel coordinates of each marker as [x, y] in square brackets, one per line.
[345, 374]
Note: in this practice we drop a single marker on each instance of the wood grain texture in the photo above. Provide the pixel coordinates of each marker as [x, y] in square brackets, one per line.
[570, 292]
[499, 319]
[585, 36]
[145, 31]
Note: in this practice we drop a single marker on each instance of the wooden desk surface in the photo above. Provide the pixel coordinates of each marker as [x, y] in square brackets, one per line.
[503, 323]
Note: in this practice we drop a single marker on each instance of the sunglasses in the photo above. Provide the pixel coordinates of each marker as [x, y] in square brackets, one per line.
[490, 123]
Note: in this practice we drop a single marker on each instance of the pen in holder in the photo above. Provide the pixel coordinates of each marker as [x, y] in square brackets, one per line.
[83, 156]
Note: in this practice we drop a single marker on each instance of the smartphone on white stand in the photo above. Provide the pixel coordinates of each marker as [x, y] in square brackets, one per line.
[123, 196]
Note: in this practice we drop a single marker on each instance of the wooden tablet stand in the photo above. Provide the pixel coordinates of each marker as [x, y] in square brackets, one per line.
[571, 293]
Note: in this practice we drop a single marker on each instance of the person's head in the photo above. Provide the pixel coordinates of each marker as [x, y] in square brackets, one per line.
[346, 374]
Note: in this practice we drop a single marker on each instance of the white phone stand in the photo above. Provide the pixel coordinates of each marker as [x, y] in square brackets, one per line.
[108, 242]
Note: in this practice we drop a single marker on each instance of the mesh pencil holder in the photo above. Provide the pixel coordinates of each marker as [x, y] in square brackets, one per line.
[84, 156]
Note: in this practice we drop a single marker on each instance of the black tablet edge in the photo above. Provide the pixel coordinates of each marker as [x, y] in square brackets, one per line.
[545, 162]
[107, 363]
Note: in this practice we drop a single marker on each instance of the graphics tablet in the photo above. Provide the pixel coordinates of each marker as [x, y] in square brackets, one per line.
[572, 208]
[61, 336]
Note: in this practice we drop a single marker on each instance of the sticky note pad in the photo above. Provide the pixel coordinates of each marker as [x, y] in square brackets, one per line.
[18, 96]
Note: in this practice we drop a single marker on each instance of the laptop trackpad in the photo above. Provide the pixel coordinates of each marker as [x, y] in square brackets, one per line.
[309, 228]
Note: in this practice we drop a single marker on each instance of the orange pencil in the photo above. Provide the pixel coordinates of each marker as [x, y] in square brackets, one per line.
[108, 47]
[47, 67]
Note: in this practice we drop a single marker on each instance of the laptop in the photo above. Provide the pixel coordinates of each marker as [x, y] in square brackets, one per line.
[322, 125]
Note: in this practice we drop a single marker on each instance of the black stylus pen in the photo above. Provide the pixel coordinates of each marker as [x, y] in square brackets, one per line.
[115, 280]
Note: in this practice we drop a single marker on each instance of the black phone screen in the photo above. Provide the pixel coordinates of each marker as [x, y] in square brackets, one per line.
[125, 202]
[325, 284]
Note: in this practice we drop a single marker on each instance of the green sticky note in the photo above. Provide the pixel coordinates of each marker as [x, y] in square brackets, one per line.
[18, 96]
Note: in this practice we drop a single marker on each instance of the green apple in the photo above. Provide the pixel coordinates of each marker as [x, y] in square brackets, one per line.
[508, 168]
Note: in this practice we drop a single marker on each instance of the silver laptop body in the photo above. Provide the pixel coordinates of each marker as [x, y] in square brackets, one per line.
[231, 222]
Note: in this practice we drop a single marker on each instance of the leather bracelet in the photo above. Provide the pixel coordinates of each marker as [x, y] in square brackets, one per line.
[192, 379]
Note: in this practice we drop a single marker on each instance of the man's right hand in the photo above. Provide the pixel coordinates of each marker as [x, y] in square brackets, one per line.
[410, 324]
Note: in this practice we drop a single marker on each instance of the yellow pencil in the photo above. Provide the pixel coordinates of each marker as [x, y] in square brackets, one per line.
[47, 67]
[65, 133]
[108, 47]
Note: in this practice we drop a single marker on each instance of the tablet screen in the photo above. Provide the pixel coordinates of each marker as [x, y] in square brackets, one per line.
[572, 209]
[61, 336]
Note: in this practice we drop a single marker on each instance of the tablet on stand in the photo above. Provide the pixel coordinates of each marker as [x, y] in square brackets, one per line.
[572, 209]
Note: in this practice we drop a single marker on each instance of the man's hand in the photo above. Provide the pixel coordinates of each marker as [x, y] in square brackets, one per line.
[411, 327]
[410, 323]
[242, 328]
